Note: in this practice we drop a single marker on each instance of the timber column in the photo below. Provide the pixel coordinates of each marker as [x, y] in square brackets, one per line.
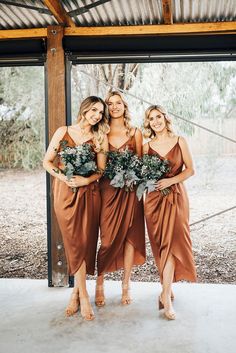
[56, 113]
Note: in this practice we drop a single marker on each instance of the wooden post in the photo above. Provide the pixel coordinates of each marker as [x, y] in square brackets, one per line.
[56, 106]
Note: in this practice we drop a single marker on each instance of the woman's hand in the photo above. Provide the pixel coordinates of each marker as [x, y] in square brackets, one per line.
[77, 181]
[164, 183]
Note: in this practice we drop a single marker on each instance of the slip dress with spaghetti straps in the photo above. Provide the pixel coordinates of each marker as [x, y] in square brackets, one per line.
[78, 218]
[167, 219]
[122, 220]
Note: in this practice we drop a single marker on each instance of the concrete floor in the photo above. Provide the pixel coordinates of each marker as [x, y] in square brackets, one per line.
[32, 320]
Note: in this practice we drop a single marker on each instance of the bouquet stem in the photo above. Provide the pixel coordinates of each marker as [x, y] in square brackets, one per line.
[165, 191]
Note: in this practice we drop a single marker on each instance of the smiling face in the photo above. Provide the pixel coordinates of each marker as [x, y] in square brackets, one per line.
[116, 107]
[94, 114]
[157, 121]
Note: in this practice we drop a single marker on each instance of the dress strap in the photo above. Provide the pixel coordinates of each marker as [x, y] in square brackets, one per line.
[178, 138]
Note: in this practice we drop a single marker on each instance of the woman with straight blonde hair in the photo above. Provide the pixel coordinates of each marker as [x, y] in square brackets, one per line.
[167, 216]
[78, 212]
[122, 219]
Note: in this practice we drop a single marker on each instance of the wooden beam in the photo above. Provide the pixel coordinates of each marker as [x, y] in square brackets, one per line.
[175, 29]
[23, 33]
[59, 13]
[167, 12]
[56, 96]
[180, 29]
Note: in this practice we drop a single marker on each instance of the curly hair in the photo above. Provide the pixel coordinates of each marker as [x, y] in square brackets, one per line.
[100, 129]
[127, 117]
[148, 131]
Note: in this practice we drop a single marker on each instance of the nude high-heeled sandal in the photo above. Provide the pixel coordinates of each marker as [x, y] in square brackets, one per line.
[99, 296]
[169, 314]
[73, 305]
[125, 299]
[86, 310]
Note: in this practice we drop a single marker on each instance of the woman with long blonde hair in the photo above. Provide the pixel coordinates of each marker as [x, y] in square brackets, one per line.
[122, 219]
[167, 216]
[78, 212]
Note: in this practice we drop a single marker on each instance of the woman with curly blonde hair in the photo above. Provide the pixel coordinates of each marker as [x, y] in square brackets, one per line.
[78, 212]
[167, 216]
[122, 219]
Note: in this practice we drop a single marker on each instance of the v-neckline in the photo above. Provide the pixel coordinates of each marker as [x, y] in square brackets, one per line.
[117, 148]
[167, 152]
[76, 144]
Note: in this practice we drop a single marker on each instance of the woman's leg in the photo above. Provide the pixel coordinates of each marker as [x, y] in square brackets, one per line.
[85, 305]
[99, 292]
[165, 297]
[73, 305]
[128, 264]
[81, 294]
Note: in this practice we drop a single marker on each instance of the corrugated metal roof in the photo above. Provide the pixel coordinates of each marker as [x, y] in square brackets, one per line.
[204, 11]
[117, 12]
[14, 17]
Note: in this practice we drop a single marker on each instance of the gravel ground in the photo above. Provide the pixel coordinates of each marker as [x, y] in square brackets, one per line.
[23, 251]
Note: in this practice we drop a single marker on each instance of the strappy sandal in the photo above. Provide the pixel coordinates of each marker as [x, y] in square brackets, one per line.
[73, 305]
[126, 299]
[86, 311]
[170, 315]
[99, 296]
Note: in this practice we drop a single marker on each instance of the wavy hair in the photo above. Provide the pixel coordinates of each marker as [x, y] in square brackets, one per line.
[148, 131]
[102, 128]
[127, 117]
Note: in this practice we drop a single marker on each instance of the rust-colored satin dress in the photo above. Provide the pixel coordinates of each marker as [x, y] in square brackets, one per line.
[167, 220]
[78, 218]
[122, 219]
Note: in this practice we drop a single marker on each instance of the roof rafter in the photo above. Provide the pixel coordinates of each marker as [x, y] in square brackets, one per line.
[167, 12]
[86, 8]
[59, 13]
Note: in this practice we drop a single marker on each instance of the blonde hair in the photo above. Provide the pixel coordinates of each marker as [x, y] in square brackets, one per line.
[100, 129]
[148, 131]
[127, 117]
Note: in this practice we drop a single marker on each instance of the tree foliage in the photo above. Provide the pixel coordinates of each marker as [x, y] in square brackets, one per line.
[190, 90]
[21, 117]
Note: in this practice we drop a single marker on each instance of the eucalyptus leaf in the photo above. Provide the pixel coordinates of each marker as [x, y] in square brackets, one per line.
[140, 190]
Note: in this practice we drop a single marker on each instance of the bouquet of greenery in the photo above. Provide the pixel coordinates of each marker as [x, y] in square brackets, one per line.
[153, 169]
[123, 169]
[78, 160]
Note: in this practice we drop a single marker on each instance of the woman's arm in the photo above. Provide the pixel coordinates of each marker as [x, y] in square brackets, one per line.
[51, 154]
[185, 174]
[101, 161]
[145, 148]
[77, 180]
[138, 142]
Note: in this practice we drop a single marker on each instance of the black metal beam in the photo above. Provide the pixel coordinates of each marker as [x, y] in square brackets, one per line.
[152, 58]
[150, 44]
[48, 187]
[68, 66]
[27, 60]
[18, 4]
[86, 8]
